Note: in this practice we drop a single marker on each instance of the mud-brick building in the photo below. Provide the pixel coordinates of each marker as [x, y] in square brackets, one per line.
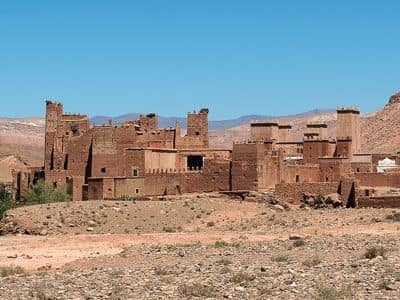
[138, 158]
[134, 158]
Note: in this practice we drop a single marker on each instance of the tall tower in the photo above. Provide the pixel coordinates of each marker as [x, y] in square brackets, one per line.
[54, 113]
[348, 127]
[197, 126]
[264, 131]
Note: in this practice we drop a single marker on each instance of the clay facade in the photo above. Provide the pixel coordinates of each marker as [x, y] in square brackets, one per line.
[138, 159]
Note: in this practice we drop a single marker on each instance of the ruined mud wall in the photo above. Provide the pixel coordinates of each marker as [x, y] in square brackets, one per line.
[293, 192]
[379, 202]
[378, 179]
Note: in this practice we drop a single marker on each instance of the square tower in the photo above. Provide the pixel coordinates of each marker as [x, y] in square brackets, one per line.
[348, 127]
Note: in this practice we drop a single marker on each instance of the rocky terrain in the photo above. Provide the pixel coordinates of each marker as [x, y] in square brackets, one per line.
[199, 246]
[380, 129]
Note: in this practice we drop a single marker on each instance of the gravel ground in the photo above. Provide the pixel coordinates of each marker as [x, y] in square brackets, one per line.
[265, 254]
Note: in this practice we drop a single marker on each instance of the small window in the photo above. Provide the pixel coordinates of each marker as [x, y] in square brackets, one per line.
[137, 191]
[197, 133]
[55, 184]
[297, 178]
[194, 162]
[103, 170]
[135, 173]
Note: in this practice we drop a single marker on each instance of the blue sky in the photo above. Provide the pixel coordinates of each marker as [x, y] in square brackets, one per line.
[170, 57]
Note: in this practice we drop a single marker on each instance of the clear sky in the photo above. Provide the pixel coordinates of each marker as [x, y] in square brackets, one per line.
[170, 57]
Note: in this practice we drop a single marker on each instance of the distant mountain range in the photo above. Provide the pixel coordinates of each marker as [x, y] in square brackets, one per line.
[164, 122]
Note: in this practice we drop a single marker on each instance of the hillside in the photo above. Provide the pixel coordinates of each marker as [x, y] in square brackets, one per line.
[380, 130]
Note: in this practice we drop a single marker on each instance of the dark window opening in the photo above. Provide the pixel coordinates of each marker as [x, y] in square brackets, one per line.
[197, 133]
[74, 127]
[358, 170]
[297, 178]
[367, 193]
[195, 162]
[135, 173]
[137, 191]
[55, 184]
[52, 159]
[326, 178]
[103, 170]
[66, 162]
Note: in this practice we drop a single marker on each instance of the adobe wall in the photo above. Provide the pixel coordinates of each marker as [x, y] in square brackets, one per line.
[292, 173]
[247, 159]
[378, 179]
[293, 192]
[344, 148]
[349, 189]
[332, 169]
[290, 148]
[264, 131]
[95, 189]
[284, 133]
[379, 202]
[361, 167]
[314, 149]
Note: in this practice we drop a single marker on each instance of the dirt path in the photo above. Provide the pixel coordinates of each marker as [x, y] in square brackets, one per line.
[33, 252]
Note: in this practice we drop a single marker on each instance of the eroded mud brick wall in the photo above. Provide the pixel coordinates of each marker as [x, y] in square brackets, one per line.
[379, 202]
[315, 149]
[300, 173]
[332, 169]
[246, 159]
[293, 192]
[378, 179]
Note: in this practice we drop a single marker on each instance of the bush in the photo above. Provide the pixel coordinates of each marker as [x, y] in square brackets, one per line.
[211, 224]
[312, 262]
[6, 201]
[327, 292]
[299, 243]
[280, 258]
[10, 271]
[221, 244]
[41, 193]
[373, 252]
[242, 277]
[196, 290]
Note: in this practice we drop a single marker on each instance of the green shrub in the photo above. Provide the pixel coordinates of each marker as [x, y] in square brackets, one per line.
[197, 290]
[327, 292]
[10, 271]
[373, 252]
[6, 201]
[41, 193]
[126, 198]
[312, 262]
[221, 244]
[280, 258]
[242, 277]
[299, 243]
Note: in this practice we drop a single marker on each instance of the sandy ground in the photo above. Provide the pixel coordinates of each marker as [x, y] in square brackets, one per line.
[37, 252]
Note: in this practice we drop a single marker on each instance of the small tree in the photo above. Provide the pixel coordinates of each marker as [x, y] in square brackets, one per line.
[6, 201]
[41, 193]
